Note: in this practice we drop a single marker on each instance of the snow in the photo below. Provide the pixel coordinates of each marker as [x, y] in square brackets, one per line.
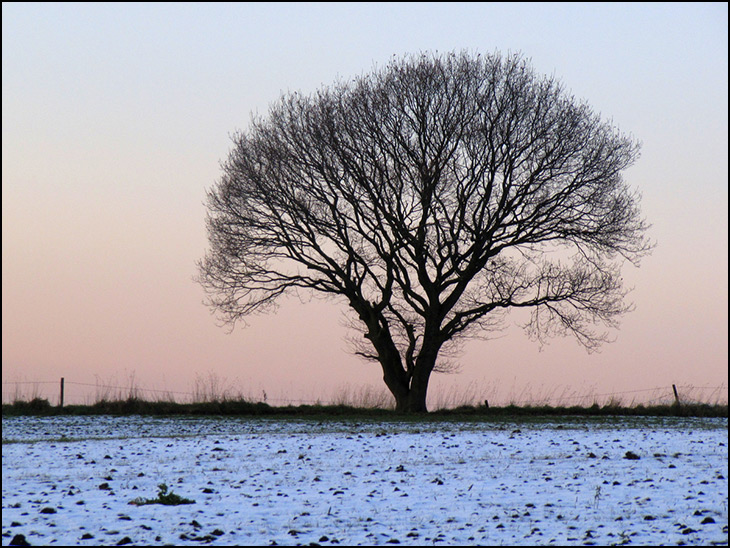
[345, 482]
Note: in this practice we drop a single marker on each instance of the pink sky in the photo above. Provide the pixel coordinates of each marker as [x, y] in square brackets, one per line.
[115, 119]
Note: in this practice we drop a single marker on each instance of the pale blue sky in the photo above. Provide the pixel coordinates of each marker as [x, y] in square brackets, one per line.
[116, 116]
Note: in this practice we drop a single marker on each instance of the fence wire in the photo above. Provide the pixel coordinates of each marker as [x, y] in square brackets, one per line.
[86, 393]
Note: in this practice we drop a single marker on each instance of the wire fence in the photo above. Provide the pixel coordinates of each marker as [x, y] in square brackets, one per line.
[67, 392]
[84, 393]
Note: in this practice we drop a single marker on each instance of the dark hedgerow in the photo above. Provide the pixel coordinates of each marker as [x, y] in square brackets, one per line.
[135, 406]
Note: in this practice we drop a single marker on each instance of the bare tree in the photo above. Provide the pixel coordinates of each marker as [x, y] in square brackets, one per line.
[431, 196]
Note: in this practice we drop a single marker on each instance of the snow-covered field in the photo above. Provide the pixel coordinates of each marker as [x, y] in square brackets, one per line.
[70, 481]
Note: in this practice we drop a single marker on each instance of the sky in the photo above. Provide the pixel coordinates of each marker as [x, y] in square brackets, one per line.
[115, 118]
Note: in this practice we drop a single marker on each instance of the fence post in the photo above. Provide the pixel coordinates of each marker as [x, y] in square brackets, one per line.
[676, 396]
[60, 404]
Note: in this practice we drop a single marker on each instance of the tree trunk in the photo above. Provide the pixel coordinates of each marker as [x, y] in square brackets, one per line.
[413, 399]
[396, 378]
[400, 390]
[409, 390]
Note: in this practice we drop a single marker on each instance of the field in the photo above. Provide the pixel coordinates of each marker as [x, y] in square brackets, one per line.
[101, 480]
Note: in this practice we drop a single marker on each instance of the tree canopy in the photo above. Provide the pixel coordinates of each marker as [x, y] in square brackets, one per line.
[431, 195]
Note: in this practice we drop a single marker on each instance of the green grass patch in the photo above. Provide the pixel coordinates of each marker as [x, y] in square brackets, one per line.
[163, 497]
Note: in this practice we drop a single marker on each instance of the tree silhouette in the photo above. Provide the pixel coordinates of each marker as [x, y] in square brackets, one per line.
[431, 196]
